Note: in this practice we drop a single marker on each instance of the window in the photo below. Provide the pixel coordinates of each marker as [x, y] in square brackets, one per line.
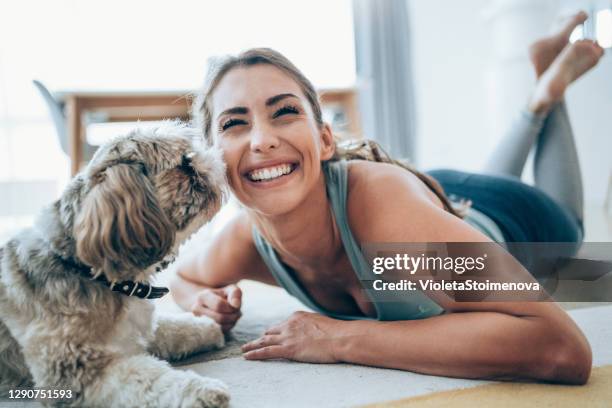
[115, 44]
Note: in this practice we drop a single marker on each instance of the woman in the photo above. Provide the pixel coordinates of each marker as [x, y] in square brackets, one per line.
[302, 222]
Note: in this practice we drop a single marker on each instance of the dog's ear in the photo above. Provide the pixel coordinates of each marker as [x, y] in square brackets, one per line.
[121, 229]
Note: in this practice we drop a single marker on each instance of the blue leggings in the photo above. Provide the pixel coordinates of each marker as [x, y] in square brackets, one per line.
[522, 212]
[549, 212]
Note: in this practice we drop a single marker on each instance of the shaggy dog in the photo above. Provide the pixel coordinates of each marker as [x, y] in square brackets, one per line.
[75, 312]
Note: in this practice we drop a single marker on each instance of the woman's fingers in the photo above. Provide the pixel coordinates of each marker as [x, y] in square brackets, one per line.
[221, 304]
[274, 329]
[215, 300]
[221, 318]
[267, 353]
[233, 295]
[262, 342]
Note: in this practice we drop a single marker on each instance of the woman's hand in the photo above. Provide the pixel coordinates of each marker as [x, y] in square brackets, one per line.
[305, 337]
[221, 304]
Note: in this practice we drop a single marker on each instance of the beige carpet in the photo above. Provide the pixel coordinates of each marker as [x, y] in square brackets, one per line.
[256, 384]
[597, 393]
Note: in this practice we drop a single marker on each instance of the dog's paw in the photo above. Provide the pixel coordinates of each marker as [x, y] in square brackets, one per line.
[178, 336]
[200, 332]
[206, 393]
[211, 331]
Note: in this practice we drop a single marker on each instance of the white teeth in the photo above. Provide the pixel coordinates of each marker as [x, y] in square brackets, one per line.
[270, 172]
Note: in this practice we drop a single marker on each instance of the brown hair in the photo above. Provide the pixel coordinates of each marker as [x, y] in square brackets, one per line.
[354, 149]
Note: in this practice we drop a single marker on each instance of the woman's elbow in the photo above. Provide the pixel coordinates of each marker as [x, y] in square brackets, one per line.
[569, 362]
[573, 363]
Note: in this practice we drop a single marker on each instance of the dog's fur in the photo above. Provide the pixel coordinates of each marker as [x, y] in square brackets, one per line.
[139, 198]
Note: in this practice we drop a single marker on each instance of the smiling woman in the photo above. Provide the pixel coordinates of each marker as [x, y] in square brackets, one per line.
[242, 117]
[307, 206]
[298, 112]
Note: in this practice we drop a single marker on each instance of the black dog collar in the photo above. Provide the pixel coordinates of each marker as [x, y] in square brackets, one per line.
[141, 290]
[131, 288]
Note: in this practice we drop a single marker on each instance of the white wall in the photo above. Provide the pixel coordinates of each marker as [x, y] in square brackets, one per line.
[449, 52]
[472, 75]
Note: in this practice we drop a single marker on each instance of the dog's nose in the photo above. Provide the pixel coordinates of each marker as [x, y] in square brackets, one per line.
[186, 162]
[187, 158]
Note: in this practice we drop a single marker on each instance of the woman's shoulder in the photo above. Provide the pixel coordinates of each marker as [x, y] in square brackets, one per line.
[374, 188]
[363, 170]
[371, 181]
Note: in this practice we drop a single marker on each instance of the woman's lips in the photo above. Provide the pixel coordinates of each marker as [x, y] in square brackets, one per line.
[271, 172]
[272, 176]
[267, 164]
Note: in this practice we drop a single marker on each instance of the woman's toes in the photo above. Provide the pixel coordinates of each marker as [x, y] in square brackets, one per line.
[571, 23]
[579, 58]
[544, 51]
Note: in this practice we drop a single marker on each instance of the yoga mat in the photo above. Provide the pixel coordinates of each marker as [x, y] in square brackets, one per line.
[596, 393]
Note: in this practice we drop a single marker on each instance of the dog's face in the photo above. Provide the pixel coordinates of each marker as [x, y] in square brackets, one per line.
[143, 195]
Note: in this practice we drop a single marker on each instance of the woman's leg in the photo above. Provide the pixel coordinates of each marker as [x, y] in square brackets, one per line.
[509, 158]
[556, 167]
[510, 155]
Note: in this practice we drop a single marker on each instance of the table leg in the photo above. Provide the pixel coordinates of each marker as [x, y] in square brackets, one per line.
[75, 134]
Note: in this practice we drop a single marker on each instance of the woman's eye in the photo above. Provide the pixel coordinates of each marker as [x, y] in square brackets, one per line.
[285, 110]
[229, 123]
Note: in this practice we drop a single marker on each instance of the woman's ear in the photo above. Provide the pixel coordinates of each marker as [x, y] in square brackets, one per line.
[328, 146]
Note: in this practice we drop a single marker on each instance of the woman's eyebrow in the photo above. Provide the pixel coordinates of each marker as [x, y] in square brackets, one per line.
[274, 99]
[238, 110]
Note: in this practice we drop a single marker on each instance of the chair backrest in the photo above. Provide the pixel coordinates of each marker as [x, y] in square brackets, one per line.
[56, 109]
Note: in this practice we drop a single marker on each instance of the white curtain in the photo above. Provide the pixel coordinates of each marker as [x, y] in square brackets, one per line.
[384, 74]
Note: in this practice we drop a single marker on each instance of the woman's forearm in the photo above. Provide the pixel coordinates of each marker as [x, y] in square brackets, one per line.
[184, 292]
[470, 345]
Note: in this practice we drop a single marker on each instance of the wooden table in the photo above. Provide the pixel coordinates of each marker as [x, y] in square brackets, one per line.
[128, 106]
[112, 106]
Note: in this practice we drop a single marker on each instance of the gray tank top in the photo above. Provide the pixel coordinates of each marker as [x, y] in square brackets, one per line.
[390, 305]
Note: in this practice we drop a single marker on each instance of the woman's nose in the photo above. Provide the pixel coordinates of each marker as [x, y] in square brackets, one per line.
[263, 139]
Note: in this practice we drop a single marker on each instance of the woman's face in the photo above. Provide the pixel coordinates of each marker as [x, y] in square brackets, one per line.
[271, 143]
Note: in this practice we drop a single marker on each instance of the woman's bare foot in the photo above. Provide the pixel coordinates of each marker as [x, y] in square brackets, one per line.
[543, 52]
[575, 60]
